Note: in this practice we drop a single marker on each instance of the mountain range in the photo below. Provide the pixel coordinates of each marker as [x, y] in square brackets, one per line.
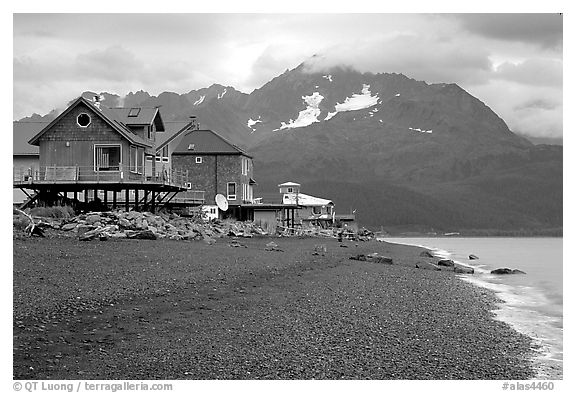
[405, 154]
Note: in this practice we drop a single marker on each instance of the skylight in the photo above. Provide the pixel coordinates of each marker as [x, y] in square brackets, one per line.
[134, 112]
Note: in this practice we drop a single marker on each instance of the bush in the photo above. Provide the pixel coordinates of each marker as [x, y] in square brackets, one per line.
[20, 222]
[53, 212]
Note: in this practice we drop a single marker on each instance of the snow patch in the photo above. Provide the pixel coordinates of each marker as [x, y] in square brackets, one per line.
[420, 130]
[329, 77]
[397, 95]
[199, 100]
[308, 115]
[220, 95]
[330, 115]
[251, 123]
[358, 101]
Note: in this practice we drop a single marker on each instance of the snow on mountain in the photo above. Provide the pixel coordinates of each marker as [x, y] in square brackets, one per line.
[356, 102]
[251, 123]
[199, 100]
[308, 115]
[220, 95]
[420, 130]
[329, 77]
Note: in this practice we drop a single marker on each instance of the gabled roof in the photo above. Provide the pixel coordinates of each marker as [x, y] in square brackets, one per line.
[173, 130]
[206, 142]
[289, 184]
[22, 131]
[138, 116]
[105, 114]
[305, 200]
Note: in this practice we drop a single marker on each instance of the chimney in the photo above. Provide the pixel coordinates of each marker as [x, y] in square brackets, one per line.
[194, 124]
[96, 99]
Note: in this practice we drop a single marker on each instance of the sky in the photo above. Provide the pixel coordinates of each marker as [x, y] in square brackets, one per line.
[512, 62]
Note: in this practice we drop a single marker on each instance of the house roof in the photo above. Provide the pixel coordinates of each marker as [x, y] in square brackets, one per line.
[22, 131]
[305, 200]
[106, 114]
[289, 184]
[173, 130]
[138, 116]
[206, 142]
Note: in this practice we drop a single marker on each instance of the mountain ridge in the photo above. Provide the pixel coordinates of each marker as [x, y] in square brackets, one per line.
[387, 136]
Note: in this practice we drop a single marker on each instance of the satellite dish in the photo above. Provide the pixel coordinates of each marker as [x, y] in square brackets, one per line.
[222, 202]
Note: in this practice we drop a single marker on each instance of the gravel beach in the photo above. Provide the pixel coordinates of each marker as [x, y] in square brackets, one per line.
[142, 309]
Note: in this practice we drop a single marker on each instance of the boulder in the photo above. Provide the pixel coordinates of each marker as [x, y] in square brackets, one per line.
[505, 270]
[463, 269]
[426, 254]
[385, 260]
[144, 234]
[69, 227]
[359, 257]
[446, 262]
[93, 219]
[124, 223]
[427, 266]
[472, 256]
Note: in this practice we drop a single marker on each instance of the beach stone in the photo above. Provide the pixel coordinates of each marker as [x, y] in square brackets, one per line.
[505, 270]
[93, 219]
[124, 223]
[472, 256]
[427, 266]
[69, 227]
[385, 260]
[446, 262]
[82, 229]
[426, 254]
[463, 269]
[145, 234]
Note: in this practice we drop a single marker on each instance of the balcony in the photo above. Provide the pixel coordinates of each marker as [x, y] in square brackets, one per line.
[121, 175]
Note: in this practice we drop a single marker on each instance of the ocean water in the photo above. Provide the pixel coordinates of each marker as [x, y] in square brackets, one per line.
[533, 302]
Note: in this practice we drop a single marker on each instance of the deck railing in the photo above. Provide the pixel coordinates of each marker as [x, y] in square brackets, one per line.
[190, 196]
[83, 174]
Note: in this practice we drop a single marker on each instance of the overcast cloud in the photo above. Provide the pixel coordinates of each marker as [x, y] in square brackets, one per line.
[511, 62]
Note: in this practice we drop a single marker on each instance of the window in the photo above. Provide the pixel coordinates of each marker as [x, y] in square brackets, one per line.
[290, 190]
[107, 157]
[136, 159]
[231, 191]
[198, 160]
[83, 120]
[191, 146]
[317, 210]
[134, 112]
[245, 165]
[188, 185]
[162, 155]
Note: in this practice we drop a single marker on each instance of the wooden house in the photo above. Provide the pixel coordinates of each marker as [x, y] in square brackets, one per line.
[25, 157]
[93, 149]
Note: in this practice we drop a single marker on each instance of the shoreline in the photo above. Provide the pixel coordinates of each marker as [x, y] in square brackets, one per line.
[188, 310]
[546, 363]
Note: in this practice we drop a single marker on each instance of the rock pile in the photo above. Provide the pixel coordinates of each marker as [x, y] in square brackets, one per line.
[145, 225]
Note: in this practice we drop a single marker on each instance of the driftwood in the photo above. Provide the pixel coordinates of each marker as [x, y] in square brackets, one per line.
[32, 228]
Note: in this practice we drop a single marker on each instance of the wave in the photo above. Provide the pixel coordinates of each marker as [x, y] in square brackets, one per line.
[527, 309]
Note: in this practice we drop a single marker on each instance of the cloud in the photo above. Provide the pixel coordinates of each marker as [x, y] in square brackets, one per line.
[527, 109]
[428, 58]
[544, 30]
[112, 63]
[537, 72]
